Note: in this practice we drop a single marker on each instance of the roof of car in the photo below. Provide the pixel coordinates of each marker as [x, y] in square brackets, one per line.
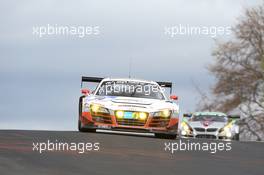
[210, 113]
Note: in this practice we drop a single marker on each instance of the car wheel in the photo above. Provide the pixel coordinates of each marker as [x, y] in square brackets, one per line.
[80, 127]
[165, 136]
[236, 137]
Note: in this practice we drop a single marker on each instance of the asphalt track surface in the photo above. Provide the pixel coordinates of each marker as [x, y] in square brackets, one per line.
[122, 154]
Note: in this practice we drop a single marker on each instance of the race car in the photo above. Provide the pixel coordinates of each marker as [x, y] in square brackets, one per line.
[209, 125]
[126, 104]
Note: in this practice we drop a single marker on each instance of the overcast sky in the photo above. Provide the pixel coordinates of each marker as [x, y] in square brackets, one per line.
[40, 77]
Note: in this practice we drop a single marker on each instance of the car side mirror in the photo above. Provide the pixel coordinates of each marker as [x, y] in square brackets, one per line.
[85, 92]
[174, 97]
[186, 115]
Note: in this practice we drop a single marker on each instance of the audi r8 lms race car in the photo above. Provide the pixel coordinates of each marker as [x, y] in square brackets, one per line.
[209, 125]
[129, 105]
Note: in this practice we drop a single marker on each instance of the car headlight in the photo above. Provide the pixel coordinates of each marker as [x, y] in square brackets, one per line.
[119, 114]
[142, 115]
[186, 129]
[95, 108]
[163, 113]
[135, 115]
[226, 130]
[175, 114]
[85, 107]
[185, 126]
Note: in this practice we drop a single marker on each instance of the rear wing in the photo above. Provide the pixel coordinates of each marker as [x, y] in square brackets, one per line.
[166, 85]
[234, 116]
[99, 79]
[91, 79]
[187, 115]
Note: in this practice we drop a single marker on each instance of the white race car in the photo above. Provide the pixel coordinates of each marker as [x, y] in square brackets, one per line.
[209, 125]
[129, 105]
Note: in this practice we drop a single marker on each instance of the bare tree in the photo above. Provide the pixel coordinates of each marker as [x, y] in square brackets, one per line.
[239, 70]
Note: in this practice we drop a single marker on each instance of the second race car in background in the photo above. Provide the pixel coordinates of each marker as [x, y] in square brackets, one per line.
[128, 105]
[209, 125]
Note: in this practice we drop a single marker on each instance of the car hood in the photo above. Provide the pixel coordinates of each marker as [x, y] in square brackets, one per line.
[132, 103]
[207, 124]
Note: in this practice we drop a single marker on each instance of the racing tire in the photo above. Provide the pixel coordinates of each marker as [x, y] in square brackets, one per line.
[80, 127]
[165, 136]
[236, 137]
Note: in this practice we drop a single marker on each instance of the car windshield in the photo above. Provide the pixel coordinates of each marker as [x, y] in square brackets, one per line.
[216, 118]
[130, 89]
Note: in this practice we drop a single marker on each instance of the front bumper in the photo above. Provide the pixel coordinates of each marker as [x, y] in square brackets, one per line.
[110, 122]
[210, 135]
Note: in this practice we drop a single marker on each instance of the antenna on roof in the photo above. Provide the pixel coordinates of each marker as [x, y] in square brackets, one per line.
[129, 73]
